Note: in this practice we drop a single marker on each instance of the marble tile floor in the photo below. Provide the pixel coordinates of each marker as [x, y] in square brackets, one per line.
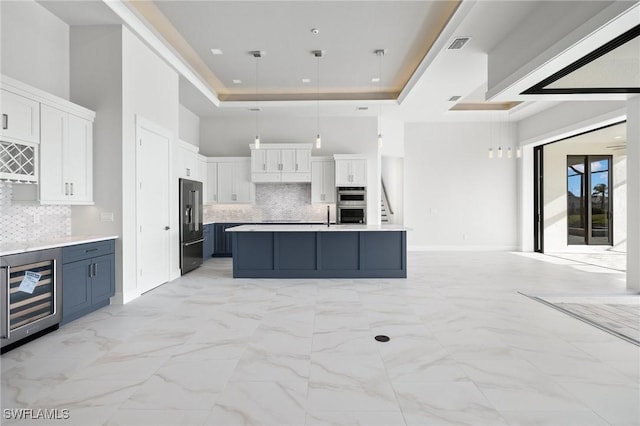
[606, 258]
[466, 349]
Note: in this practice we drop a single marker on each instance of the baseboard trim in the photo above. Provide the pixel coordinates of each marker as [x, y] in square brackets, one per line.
[463, 248]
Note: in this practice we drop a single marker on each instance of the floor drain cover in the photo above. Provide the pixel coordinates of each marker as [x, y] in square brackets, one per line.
[382, 338]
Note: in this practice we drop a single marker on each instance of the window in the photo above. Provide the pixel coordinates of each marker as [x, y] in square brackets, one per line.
[589, 218]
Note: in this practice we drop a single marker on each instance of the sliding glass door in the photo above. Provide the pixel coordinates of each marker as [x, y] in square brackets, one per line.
[589, 218]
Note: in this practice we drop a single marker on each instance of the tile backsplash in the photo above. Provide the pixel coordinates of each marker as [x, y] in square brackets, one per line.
[31, 222]
[274, 201]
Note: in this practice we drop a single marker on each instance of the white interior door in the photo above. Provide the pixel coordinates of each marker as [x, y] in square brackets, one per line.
[153, 206]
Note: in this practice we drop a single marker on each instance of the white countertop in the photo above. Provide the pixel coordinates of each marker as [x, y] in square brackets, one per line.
[315, 228]
[25, 246]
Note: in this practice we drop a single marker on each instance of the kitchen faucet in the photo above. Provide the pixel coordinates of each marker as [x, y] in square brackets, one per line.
[328, 215]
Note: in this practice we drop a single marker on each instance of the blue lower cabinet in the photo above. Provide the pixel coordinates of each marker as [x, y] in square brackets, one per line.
[222, 240]
[88, 278]
[340, 254]
[206, 244]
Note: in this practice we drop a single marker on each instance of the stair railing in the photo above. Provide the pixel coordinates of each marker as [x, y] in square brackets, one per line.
[385, 199]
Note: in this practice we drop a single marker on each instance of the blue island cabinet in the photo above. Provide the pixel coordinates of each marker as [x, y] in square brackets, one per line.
[88, 278]
[339, 254]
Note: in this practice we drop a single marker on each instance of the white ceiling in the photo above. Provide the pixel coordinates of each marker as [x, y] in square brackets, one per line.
[419, 74]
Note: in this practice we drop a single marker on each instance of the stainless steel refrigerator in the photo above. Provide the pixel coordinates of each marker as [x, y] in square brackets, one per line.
[191, 237]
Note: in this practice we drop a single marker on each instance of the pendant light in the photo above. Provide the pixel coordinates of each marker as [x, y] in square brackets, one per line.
[497, 135]
[318, 55]
[257, 55]
[380, 54]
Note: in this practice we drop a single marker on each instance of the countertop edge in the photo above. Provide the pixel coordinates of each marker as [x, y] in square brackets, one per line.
[317, 228]
[28, 246]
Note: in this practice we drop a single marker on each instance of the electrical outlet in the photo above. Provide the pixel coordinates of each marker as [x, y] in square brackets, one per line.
[106, 217]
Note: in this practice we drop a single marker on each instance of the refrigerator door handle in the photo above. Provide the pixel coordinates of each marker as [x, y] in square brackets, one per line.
[196, 222]
[193, 242]
[187, 213]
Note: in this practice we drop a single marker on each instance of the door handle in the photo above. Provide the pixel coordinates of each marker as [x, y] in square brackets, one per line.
[194, 242]
[5, 121]
[6, 329]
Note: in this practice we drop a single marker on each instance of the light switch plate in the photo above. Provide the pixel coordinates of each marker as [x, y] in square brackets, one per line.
[106, 217]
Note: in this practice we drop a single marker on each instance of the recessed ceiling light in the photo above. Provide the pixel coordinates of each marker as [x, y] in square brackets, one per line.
[236, 81]
[315, 31]
[216, 51]
[458, 43]
[375, 79]
[306, 80]
[618, 137]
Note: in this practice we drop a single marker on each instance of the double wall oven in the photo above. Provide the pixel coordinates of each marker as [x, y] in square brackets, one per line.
[351, 206]
[30, 296]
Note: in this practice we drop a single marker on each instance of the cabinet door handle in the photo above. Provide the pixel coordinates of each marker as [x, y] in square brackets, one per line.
[90, 270]
[71, 184]
[5, 121]
[296, 167]
[264, 166]
[188, 172]
[66, 188]
[95, 269]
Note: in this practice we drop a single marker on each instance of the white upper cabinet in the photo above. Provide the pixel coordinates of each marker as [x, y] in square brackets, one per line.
[20, 118]
[61, 136]
[351, 170]
[66, 158]
[203, 176]
[281, 163]
[234, 180]
[188, 166]
[212, 182]
[323, 188]
[77, 160]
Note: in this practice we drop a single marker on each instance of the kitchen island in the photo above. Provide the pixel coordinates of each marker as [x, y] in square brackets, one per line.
[319, 251]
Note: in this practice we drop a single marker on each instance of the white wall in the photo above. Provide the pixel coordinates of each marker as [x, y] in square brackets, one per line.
[633, 195]
[189, 127]
[96, 77]
[34, 46]
[150, 90]
[393, 138]
[228, 137]
[455, 197]
[555, 193]
[119, 77]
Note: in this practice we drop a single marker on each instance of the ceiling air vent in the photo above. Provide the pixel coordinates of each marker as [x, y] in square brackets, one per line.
[458, 43]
